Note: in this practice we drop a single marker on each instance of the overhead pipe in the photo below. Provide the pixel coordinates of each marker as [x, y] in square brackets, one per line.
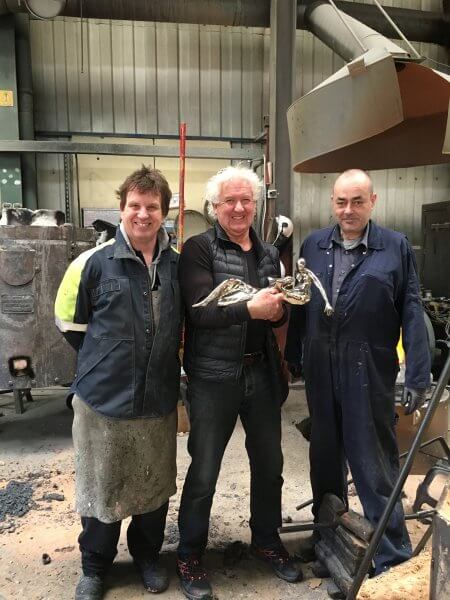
[39, 9]
[247, 13]
[347, 36]
[417, 25]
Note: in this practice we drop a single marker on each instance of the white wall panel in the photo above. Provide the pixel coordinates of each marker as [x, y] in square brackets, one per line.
[50, 181]
[231, 81]
[100, 76]
[123, 78]
[167, 78]
[210, 90]
[146, 82]
[59, 46]
[76, 70]
[189, 77]
[252, 83]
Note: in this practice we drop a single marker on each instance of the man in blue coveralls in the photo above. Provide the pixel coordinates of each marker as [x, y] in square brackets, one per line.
[349, 360]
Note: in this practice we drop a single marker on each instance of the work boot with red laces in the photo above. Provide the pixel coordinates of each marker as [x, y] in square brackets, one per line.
[193, 579]
[282, 564]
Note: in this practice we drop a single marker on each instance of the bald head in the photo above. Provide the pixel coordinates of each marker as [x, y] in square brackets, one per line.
[352, 202]
[355, 176]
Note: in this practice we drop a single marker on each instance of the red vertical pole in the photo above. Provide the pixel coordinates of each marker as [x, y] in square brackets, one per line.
[183, 418]
[180, 234]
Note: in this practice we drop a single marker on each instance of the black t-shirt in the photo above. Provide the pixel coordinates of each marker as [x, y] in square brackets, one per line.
[256, 328]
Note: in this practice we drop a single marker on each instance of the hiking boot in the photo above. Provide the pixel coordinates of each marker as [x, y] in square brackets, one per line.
[278, 559]
[154, 576]
[320, 570]
[89, 588]
[193, 579]
[306, 551]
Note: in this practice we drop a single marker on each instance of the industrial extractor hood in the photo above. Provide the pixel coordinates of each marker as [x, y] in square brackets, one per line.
[382, 110]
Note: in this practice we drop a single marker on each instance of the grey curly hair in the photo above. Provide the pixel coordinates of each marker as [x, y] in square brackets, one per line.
[215, 183]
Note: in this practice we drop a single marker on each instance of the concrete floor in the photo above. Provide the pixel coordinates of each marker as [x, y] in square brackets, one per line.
[37, 447]
[38, 444]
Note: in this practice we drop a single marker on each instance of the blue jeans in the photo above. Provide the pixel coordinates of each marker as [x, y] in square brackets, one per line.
[213, 410]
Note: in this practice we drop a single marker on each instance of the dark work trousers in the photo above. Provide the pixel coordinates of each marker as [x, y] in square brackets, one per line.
[353, 418]
[98, 541]
[213, 411]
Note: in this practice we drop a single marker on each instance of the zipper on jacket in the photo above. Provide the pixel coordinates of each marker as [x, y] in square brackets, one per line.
[244, 325]
[150, 303]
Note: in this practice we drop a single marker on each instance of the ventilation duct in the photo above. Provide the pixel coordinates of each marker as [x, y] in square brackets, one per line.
[421, 26]
[40, 9]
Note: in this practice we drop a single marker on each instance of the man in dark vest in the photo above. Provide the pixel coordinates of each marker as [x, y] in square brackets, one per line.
[119, 306]
[233, 367]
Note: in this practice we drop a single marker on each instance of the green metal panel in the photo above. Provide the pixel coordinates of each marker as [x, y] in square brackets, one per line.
[10, 175]
[10, 179]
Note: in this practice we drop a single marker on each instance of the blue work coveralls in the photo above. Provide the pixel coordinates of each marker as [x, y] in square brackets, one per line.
[350, 366]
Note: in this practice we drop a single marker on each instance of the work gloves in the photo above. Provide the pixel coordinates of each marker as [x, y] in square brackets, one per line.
[412, 400]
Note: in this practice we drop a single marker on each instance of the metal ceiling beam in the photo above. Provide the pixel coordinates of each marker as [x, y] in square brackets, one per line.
[60, 147]
[282, 78]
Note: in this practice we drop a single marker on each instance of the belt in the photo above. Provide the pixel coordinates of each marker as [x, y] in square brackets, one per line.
[253, 358]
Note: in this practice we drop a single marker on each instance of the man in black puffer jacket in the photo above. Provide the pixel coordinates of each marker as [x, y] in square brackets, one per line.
[232, 362]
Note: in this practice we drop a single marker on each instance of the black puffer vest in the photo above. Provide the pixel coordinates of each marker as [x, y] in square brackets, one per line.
[216, 354]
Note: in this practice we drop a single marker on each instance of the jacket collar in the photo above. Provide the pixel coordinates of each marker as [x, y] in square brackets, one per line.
[123, 249]
[374, 240]
[338, 239]
[256, 242]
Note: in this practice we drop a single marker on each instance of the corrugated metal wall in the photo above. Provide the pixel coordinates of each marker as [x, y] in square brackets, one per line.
[144, 78]
[126, 77]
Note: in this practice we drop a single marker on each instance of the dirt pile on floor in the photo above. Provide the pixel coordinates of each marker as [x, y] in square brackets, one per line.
[15, 501]
[409, 580]
[19, 496]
